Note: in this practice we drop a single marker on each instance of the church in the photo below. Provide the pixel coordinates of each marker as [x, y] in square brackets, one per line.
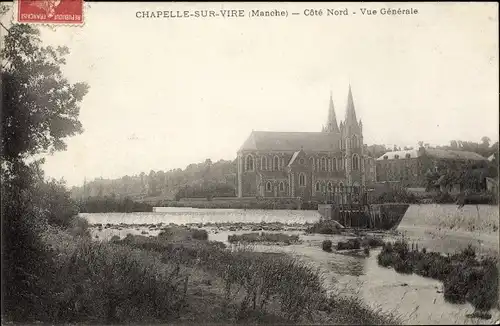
[304, 164]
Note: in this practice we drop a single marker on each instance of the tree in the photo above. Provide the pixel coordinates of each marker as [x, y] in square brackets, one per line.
[486, 141]
[40, 106]
[40, 109]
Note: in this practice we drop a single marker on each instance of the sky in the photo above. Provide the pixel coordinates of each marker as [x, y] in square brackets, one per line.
[165, 93]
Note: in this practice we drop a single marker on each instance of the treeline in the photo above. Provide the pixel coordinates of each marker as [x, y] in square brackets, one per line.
[207, 190]
[109, 204]
[161, 183]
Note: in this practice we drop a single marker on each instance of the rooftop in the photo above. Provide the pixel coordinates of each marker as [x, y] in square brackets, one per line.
[291, 141]
[434, 153]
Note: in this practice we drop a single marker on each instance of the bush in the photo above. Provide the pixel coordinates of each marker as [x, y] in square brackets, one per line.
[264, 237]
[371, 242]
[99, 282]
[199, 234]
[326, 245]
[324, 227]
[349, 244]
[399, 195]
[465, 278]
[80, 227]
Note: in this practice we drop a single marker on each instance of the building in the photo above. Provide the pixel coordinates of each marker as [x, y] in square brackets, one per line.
[410, 167]
[304, 164]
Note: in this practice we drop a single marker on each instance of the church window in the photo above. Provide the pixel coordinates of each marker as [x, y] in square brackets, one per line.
[408, 155]
[334, 164]
[263, 163]
[330, 187]
[355, 162]
[301, 161]
[329, 164]
[282, 186]
[323, 164]
[318, 165]
[276, 163]
[354, 142]
[341, 184]
[312, 163]
[302, 180]
[249, 163]
[269, 186]
[317, 186]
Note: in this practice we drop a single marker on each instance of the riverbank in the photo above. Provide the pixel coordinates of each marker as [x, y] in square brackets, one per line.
[177, 278]
[419, 300]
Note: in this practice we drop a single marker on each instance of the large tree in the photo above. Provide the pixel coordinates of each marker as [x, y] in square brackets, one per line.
[40, 108]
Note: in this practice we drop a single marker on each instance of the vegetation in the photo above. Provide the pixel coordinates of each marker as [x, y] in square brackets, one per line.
[464, 276]
[256, 284]
[263, 237]
[40, 109]
[204, 179]
[398, 195]
[208, 191]
[110, 204]
[366, 242]
[326, 245]
[324, 227]
[257, 203]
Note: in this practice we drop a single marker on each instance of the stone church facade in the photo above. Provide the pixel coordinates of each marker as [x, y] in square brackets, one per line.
[304, 164]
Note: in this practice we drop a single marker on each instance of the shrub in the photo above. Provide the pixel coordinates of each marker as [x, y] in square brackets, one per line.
[324, 227]
[327, 245]
[349, 244]
[199, 234]
[100, 282]
[465, 278]
[372, 242]
[399, 195]
[80, 227]
[264, 237]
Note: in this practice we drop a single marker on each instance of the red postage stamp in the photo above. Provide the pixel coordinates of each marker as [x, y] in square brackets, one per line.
[50, 11]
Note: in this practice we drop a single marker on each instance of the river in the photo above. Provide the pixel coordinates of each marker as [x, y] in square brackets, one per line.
[416, 299]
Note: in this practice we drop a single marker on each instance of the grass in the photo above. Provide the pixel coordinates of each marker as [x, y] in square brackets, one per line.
[179, 276]
[465, 277]
[263, 237]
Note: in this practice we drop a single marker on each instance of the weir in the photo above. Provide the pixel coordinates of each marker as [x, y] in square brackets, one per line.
[349, 206]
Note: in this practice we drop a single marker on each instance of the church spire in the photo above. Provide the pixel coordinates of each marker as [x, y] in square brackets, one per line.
[331, 123]
[350, 113]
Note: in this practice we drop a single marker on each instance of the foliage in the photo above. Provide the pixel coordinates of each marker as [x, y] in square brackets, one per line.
[40, 110]
[324, 227]
[99, 282]
[40, 107]
[465, 277]
[199, 180]
[326, 245]
[263, 203]
[263, 237]
[206, 191]
[396, 195]
[109, 204]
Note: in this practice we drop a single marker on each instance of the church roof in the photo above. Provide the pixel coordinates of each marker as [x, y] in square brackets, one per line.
[290, 141]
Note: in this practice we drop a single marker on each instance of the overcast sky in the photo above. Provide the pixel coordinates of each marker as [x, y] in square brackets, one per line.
[165, 93]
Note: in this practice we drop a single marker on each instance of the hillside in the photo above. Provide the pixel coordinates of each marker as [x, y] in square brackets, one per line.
[161, 184]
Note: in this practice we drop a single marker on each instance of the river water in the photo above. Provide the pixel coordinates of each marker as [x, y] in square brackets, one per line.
[416, 299]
